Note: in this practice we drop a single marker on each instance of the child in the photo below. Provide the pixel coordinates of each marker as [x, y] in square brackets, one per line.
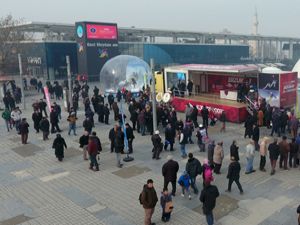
[184, 182]
[166, 204]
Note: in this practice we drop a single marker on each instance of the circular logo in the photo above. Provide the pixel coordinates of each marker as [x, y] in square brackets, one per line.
[93, 30]
[80, 31]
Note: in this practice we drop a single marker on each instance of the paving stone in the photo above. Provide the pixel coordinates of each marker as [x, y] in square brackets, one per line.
[27, 150]
[131, 171]
[78, 197]
[13, 207]
[72, 152]
[15, 220]
[57, 170]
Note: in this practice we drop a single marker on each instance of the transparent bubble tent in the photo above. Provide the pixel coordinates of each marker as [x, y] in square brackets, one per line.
[124, 72]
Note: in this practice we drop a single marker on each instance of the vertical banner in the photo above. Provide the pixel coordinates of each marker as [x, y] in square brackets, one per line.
[47, 97]
[288, 89]
[268, 88]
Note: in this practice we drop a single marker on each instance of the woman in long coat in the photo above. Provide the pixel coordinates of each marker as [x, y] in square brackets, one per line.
[59, 144]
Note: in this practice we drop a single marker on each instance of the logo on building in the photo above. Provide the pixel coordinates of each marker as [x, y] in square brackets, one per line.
[80, 31]
[103, 53]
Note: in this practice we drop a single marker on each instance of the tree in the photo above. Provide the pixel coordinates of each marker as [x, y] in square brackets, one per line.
[10, 38]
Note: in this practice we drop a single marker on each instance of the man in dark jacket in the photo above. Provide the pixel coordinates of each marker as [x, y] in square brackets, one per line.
[284, 149]
[170, 134]
[130, 137]
[93, 151]
[36, 117]
[210, 152]
[148, 199]
[42, 106]
[59, 144]
[274, 154]
[87, 125]
[110, 99]
[248, 127]
[24, 130]
[204, 114]
[234, 151]
[255, 136]
[293, 153]
[208, 197]
[83, 143]
[193, 168]
[169, 172]
[234, 175]
[45, 126]
[119, 145]
[157, 145]
[106, 113]
[112, 136]
[54, 121]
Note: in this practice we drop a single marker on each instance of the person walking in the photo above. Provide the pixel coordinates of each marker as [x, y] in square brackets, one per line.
[184, 182]
[233, 175]
[24, 130]
[223, 120]
[234, 151]
[169, 172]
[148, 198]
[294, 148]
[210, 152]
[284, 149]
[83, 143]
[208, 197]
[204, 114]
[72, 123]
[93, 152]
[130, 136]
[54, 121]
[193, 168]
[87, 125]
[166, 205]
[263, 154]
[59, 144]
[218, 157]
[45, 128]
[7, 119]
[255, 136]
[42, 107]
[250, 150]
[36, 117]
[273, 154]
[157, 145]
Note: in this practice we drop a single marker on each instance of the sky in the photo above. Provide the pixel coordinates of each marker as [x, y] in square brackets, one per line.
[276, 17]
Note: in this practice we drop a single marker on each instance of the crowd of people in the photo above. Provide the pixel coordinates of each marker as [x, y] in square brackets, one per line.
[175, 129]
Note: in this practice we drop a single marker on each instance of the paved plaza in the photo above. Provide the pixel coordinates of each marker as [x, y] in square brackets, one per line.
[36, 189]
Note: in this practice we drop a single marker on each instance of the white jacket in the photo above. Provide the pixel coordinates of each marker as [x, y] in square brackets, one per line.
[250, 150]
[15, 115]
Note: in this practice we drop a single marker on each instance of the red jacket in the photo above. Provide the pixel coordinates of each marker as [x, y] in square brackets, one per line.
[92, 148]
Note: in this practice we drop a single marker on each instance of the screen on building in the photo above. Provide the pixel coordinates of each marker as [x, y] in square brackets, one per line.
[96, 44]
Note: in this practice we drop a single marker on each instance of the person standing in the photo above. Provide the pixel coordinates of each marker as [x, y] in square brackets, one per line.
[72, 123]
[273, 154]
[233, 175]
[7, 118]
[130, 136]
[59, 144]
[112, 137]
[83, 143]
[263, 154]
[157, 145]
[142, 122]
[234, 151]
[87, 125]
[93, 152]
[208, 197]
[169, 172]
[193, 168]
[16, 117]
[190, 87]
[106, 113]
[250, 150]
[110, 99]
[170, 134]
[210, 152]
[293, 153]
[218, 157]
[166, 205]
[183, 141]
[54, 121]
[24, 130]
[148, 198]
[298, 211]
[284, 149]
[45, 126]
[36, 117]
[119, 145]
[255, 136]
[223, 120]
[42, 107]
[205, 113]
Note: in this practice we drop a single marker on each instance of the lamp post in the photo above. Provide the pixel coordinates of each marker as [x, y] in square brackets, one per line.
[21, 78]
[153, 95]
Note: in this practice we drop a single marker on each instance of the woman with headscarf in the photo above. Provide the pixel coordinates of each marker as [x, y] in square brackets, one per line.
[59, 144]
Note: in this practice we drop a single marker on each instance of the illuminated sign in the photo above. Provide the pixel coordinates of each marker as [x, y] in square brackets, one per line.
[101, 32]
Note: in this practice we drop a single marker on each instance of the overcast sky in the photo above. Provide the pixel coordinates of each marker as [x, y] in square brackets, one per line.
[276, 17]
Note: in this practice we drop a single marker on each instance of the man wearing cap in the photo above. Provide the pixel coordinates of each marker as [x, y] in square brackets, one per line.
[148, 198]
[169, 172]
[157, 145]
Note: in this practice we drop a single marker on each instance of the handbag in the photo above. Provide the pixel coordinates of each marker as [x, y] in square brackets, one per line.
[169, 207]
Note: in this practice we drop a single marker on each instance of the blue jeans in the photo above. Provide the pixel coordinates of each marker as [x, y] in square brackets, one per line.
[249, 166]
[210, 218]
[142, 129]
[193, 184]
[72, 127]
[182, 149]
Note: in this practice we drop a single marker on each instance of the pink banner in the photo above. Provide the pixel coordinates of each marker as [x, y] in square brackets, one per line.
[288, 89]
[96, 31]
[233, 114]
[47, 97]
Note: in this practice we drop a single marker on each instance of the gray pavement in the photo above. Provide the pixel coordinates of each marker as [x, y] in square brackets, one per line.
[37, 189]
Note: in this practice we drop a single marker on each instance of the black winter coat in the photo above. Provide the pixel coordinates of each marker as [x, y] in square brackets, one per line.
[170, 134]
[273, 151]
[234, 152]
[45, 125]
[59, 144]
[234, 170]
[208, 197]
[169, 170]
[193, 167]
